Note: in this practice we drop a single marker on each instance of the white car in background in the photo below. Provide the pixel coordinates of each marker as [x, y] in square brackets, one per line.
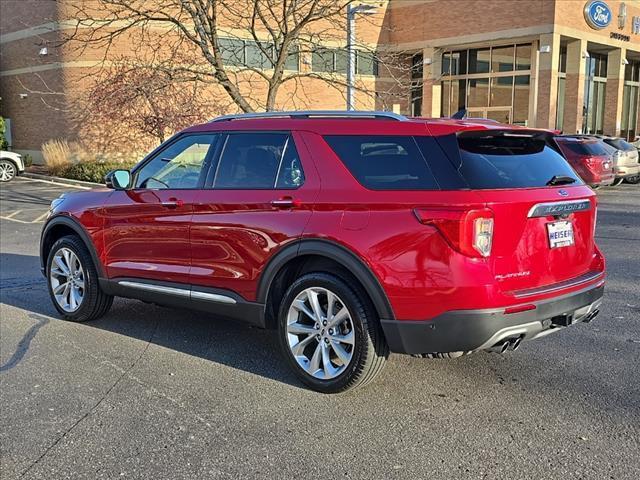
[11, 164]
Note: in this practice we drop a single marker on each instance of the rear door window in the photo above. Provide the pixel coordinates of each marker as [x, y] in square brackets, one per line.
[382, 162]
[259, 161]
[510, 161]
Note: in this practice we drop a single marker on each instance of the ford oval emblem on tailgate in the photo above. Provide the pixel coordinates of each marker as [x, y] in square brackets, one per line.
[563, 193]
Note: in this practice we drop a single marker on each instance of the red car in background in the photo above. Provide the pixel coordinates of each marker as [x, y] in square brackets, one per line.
[590, 158]
[352, 234]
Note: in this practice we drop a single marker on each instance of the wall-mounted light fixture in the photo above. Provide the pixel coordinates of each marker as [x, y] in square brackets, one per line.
[625, 61]
[23, 95]
[43, 51]
[585, 54]
[427, 61]
[545, 48]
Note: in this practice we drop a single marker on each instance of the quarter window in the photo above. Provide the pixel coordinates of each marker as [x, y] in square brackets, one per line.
[259, 161]
[178, 166]
[384, 162]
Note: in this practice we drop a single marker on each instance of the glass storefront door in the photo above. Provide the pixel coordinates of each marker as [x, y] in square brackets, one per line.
[594, 94]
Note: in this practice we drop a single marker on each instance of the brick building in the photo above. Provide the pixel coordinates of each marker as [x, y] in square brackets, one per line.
[572, 65]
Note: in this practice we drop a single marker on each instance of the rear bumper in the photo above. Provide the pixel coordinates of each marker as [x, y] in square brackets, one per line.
[624, 171]
[470, 330]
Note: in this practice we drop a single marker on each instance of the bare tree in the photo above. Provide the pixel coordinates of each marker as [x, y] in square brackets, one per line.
[244, 47]
[146, 101]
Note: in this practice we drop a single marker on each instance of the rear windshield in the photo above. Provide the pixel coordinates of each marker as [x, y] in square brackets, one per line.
[382, 162]
[620, 144]
[584, 147]
[510, 162]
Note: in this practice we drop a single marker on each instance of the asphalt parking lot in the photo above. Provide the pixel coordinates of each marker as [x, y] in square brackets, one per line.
[150, 392]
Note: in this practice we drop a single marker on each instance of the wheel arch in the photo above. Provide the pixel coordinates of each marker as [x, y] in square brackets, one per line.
[351, 264]
[58, 227]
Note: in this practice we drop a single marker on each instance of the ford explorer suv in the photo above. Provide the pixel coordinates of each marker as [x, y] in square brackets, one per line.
[351, 234]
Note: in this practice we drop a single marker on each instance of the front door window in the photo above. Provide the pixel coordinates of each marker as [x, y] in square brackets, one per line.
[179, 166]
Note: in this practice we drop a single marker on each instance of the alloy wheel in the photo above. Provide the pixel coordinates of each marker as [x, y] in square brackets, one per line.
[7, 171]
[320, 333]
[67, 279]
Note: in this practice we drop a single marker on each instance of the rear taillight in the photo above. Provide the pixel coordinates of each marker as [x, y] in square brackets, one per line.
[470, 232]
[483, 235]
[595, 215]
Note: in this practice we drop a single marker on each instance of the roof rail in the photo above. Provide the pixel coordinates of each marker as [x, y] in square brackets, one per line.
[314, 113]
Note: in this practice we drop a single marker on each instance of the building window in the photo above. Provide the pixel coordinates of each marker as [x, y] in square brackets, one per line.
[594, 93]
[489, 82]
[630, 99]
[336, 61]
[248, 53]
[562, 78]
[417, 72]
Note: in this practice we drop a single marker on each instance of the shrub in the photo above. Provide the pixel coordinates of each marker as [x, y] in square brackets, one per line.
[57, 155]
[28, 160]
[92, 171]
[3, 140]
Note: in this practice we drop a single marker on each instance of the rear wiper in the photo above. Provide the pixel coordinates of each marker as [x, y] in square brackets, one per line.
[560, 180]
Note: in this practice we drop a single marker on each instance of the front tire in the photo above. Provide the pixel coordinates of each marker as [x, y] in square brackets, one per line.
[72, 280]
[330, 334]
[7, 171]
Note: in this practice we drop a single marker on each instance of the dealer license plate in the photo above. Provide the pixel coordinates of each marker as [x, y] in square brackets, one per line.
[560, 234]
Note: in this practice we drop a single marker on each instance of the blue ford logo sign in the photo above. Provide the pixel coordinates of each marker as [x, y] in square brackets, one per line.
[563, 193]
[597, 14]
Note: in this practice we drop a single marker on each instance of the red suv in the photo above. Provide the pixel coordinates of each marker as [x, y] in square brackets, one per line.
[590, 157]
[351, 234]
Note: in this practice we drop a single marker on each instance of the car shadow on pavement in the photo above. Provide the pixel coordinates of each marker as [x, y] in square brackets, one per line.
[203, 335]
[256, 351]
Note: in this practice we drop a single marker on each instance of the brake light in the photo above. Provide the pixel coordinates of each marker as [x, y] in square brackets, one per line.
[470, 232]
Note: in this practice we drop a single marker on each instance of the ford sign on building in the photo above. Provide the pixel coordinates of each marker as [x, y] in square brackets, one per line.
[597, 14]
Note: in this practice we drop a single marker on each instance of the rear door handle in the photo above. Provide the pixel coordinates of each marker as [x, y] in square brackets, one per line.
[284, 202]
[173, 203]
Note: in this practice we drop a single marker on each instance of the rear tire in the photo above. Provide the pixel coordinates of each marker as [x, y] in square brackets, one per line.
[72, 281]
[633, 180]
[330, 334]
[617, 182]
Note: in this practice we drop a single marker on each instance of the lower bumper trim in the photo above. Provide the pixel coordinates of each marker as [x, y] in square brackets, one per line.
[471, 330]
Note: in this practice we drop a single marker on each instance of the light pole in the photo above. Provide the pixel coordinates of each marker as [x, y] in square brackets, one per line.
[352, 11]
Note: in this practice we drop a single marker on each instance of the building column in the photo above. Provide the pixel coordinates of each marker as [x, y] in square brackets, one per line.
[574, 86]
[614, 92]
[431, 89]
[546, 85]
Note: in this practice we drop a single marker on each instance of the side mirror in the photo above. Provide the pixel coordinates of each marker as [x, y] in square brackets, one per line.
[118, 179]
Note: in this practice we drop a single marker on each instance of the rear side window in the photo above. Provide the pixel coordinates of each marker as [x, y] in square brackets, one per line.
[381, 162]
[498, 161]
[259, 161]
[620, 144]
[586, 148]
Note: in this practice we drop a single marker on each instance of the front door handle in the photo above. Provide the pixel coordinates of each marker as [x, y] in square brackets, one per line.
[173, 203]
[284, 202]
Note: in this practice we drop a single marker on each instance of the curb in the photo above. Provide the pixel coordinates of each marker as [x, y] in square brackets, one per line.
[60, 181]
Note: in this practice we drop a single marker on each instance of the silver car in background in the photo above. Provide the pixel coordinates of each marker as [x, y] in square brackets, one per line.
[625, 157]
